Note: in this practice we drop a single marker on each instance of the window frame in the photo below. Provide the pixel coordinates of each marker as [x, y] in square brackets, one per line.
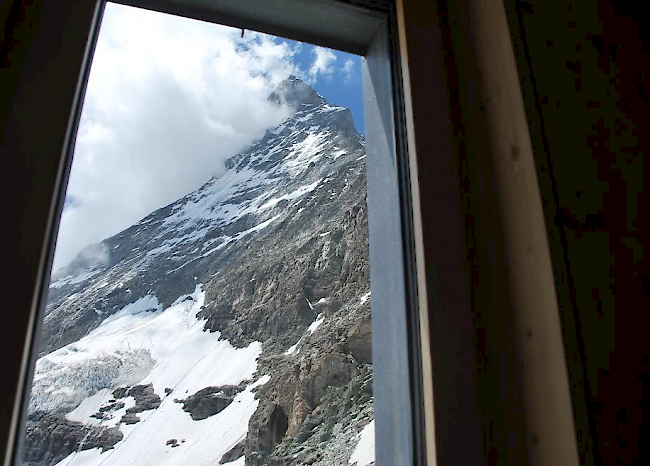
[395, 238]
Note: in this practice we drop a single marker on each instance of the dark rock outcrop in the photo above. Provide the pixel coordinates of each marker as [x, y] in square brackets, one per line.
[290, 398]
[145, 397]
[359, 342]
[106, 410]
[51, 437]
[172, 442]
[209, 401]
[234, 453]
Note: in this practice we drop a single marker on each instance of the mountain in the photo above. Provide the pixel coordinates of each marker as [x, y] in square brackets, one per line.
[229, 327]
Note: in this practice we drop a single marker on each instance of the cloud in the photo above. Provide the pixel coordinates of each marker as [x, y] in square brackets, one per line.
[168, 100]
[348, 71]
[323, 62]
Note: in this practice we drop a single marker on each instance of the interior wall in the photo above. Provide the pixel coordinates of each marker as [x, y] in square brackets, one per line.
[585, 79]
[584, 73]
[477, 399]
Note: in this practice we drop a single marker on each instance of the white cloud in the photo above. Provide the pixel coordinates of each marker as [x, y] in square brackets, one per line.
[168, 100]
[348, 71]
[323, 62]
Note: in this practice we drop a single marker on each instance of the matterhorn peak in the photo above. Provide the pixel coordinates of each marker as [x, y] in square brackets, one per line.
[296, 93]
[177, 340]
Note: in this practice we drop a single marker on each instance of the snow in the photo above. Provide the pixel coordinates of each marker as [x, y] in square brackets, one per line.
[292, 195]
[238, 462]
[315, 324]
[364, 453]
[311, 329]
[166, 348]
[365, 297]
[330, 108]
[181, 356]
[226, 240]
[305, 118]
[293, 348]
[203, 208]
[146, 303]
[73, 280]
[183, 265]
[307, 151]
[169, 245]
[204, 444]
[279, 129]
[91, 405]
[118, 352]
[339, 153]
[258, 227]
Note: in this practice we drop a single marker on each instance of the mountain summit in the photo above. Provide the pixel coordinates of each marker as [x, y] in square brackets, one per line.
[229, 327]
[295, 93]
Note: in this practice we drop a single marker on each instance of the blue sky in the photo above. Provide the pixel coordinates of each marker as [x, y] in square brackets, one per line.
[168, 100]
[340, 87]
[333, 74]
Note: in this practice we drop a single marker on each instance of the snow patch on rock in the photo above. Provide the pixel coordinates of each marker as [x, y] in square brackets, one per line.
[364, 453]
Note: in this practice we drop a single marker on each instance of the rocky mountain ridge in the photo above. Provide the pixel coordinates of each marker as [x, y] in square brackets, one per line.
[266, 265]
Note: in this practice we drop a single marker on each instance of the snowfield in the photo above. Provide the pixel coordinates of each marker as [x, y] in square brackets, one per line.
[364, 453]
[200, 443]
[144, 344]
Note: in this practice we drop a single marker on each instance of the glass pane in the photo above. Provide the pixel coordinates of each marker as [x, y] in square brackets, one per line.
[210, 300]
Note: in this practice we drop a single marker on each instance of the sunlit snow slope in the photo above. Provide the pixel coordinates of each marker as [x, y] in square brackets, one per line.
[183, 360]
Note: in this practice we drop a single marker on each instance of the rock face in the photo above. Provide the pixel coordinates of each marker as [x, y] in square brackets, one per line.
[51, 437]
[279, 244]
[209, 401]
[296, 94]
[145, 400]
[234, 453]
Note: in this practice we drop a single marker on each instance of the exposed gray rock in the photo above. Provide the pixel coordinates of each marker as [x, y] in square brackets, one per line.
[174, 443]
[295, 93]
[329, 434]
[129, 418]
[51, 437]
[234, 453]
[359, 342]
[145, 397]
[106, 410]
[209, 401]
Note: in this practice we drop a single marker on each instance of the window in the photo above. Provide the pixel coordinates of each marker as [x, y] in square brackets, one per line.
[396, 323]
